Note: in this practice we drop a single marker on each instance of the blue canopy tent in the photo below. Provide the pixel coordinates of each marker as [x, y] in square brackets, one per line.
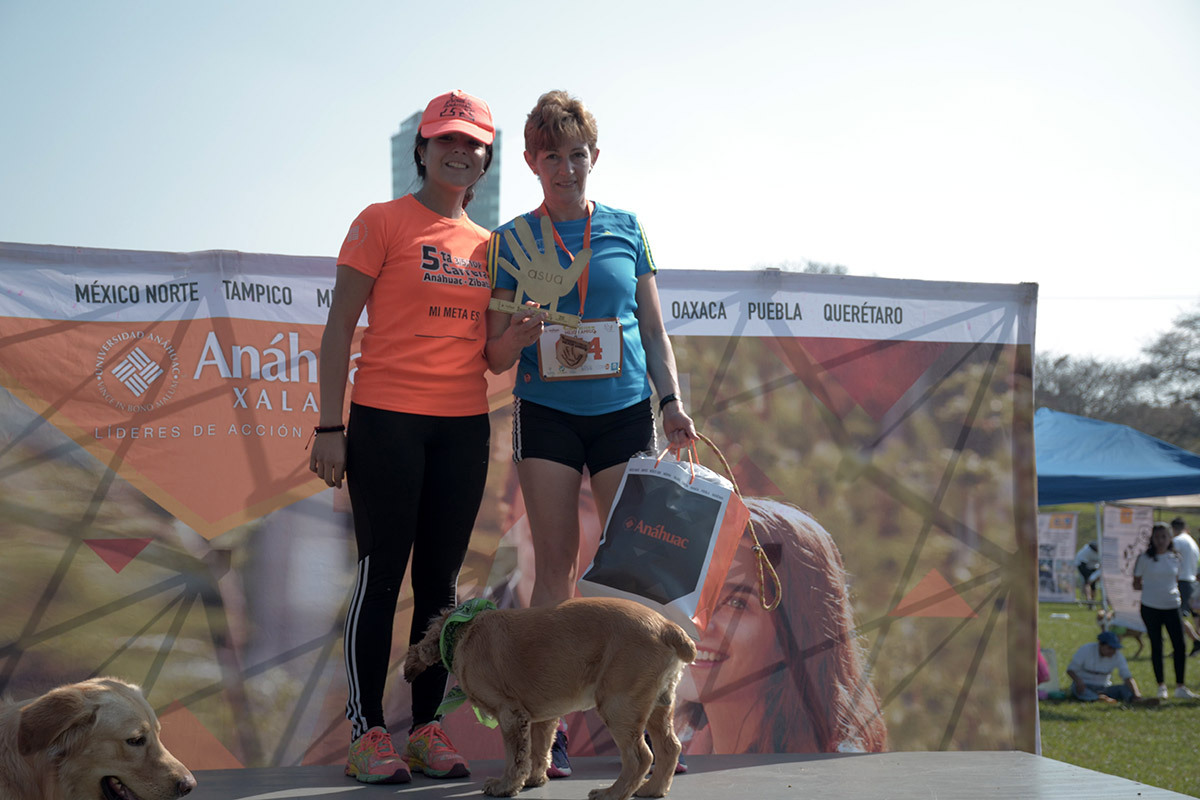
[1082, 460]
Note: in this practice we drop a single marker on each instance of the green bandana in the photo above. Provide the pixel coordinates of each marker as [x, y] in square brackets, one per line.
[455, 698]
[464, 613]
[449, 638]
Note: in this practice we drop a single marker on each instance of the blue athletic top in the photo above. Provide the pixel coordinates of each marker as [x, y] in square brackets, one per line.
[620, 254]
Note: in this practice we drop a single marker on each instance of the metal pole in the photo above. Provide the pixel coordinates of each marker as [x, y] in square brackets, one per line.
[1100, 549]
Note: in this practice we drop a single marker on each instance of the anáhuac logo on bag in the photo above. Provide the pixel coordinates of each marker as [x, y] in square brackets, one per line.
[137, 371]
[656, 532]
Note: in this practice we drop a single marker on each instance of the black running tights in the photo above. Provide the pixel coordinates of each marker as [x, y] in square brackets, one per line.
[415, 485]
[1156, 619]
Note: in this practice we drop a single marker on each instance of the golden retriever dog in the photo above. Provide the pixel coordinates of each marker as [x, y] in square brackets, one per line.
[528, 667]
[95, 740]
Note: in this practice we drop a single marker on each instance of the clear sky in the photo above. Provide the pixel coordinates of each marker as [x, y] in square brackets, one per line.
[1006, 141]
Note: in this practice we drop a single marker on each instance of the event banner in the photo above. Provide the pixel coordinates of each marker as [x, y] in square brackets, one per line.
[1126, 534]
[159, 522]
[1056, 557]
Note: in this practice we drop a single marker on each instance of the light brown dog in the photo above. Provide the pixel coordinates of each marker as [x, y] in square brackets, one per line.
[528, 667]
[95, 740]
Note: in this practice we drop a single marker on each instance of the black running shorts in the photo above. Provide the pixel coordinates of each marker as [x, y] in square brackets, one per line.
[600, 442]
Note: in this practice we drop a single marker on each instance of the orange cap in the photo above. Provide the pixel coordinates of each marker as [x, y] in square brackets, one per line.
[458, 111]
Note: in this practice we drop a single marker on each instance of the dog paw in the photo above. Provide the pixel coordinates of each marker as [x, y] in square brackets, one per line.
[657, 785]
[536, 779]
[498, 787]
[604, 794]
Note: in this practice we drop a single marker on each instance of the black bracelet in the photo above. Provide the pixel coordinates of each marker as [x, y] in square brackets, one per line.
[326, 429]
[662, 403]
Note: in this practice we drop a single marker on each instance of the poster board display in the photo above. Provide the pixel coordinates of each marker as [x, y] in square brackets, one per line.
[1126, 534]
[1056, 557]
[159, 521]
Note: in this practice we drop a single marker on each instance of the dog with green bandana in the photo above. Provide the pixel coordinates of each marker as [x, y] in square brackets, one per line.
[617, 656]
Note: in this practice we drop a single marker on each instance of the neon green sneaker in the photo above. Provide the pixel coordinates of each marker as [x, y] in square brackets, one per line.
[372, 759]
[429, 751]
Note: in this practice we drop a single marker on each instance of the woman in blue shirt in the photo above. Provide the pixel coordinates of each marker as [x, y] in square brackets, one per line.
[582, 394]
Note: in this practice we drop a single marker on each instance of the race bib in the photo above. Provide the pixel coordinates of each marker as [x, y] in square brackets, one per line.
[593, 350]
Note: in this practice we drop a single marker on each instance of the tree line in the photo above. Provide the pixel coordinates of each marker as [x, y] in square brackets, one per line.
[1157, 393]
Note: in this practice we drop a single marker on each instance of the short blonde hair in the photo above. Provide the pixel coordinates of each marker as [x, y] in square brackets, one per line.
[557, 119]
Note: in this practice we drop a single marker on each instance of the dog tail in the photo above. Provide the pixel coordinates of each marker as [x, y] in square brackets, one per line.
[674, 637]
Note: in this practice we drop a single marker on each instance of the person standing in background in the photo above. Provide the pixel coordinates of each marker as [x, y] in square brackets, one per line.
[1189, 555]
[1156, 576]
[1087, 561]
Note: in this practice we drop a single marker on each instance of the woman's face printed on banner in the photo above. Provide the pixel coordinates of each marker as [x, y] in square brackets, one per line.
[740, 646]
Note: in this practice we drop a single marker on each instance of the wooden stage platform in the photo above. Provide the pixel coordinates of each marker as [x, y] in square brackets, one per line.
[881, 776]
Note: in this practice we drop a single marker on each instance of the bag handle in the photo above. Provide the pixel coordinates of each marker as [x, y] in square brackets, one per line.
[762, 562]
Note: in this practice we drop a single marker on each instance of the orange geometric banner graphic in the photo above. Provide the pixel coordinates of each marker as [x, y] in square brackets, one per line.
[191, 742]
[207, 417]
[849, 372]
[933, 596]
[117, 553]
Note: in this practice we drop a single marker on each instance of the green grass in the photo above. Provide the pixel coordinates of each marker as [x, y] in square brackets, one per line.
[1156, 746]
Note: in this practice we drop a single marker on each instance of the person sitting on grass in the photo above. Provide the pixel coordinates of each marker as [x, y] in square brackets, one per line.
[1091, 671]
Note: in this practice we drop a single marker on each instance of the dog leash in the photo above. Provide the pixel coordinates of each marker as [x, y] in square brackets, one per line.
[762, 562]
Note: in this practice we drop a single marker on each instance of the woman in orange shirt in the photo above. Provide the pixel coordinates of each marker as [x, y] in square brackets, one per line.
[414, 451]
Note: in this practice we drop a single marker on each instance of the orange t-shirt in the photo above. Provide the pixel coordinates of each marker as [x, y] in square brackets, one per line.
[422, 351]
